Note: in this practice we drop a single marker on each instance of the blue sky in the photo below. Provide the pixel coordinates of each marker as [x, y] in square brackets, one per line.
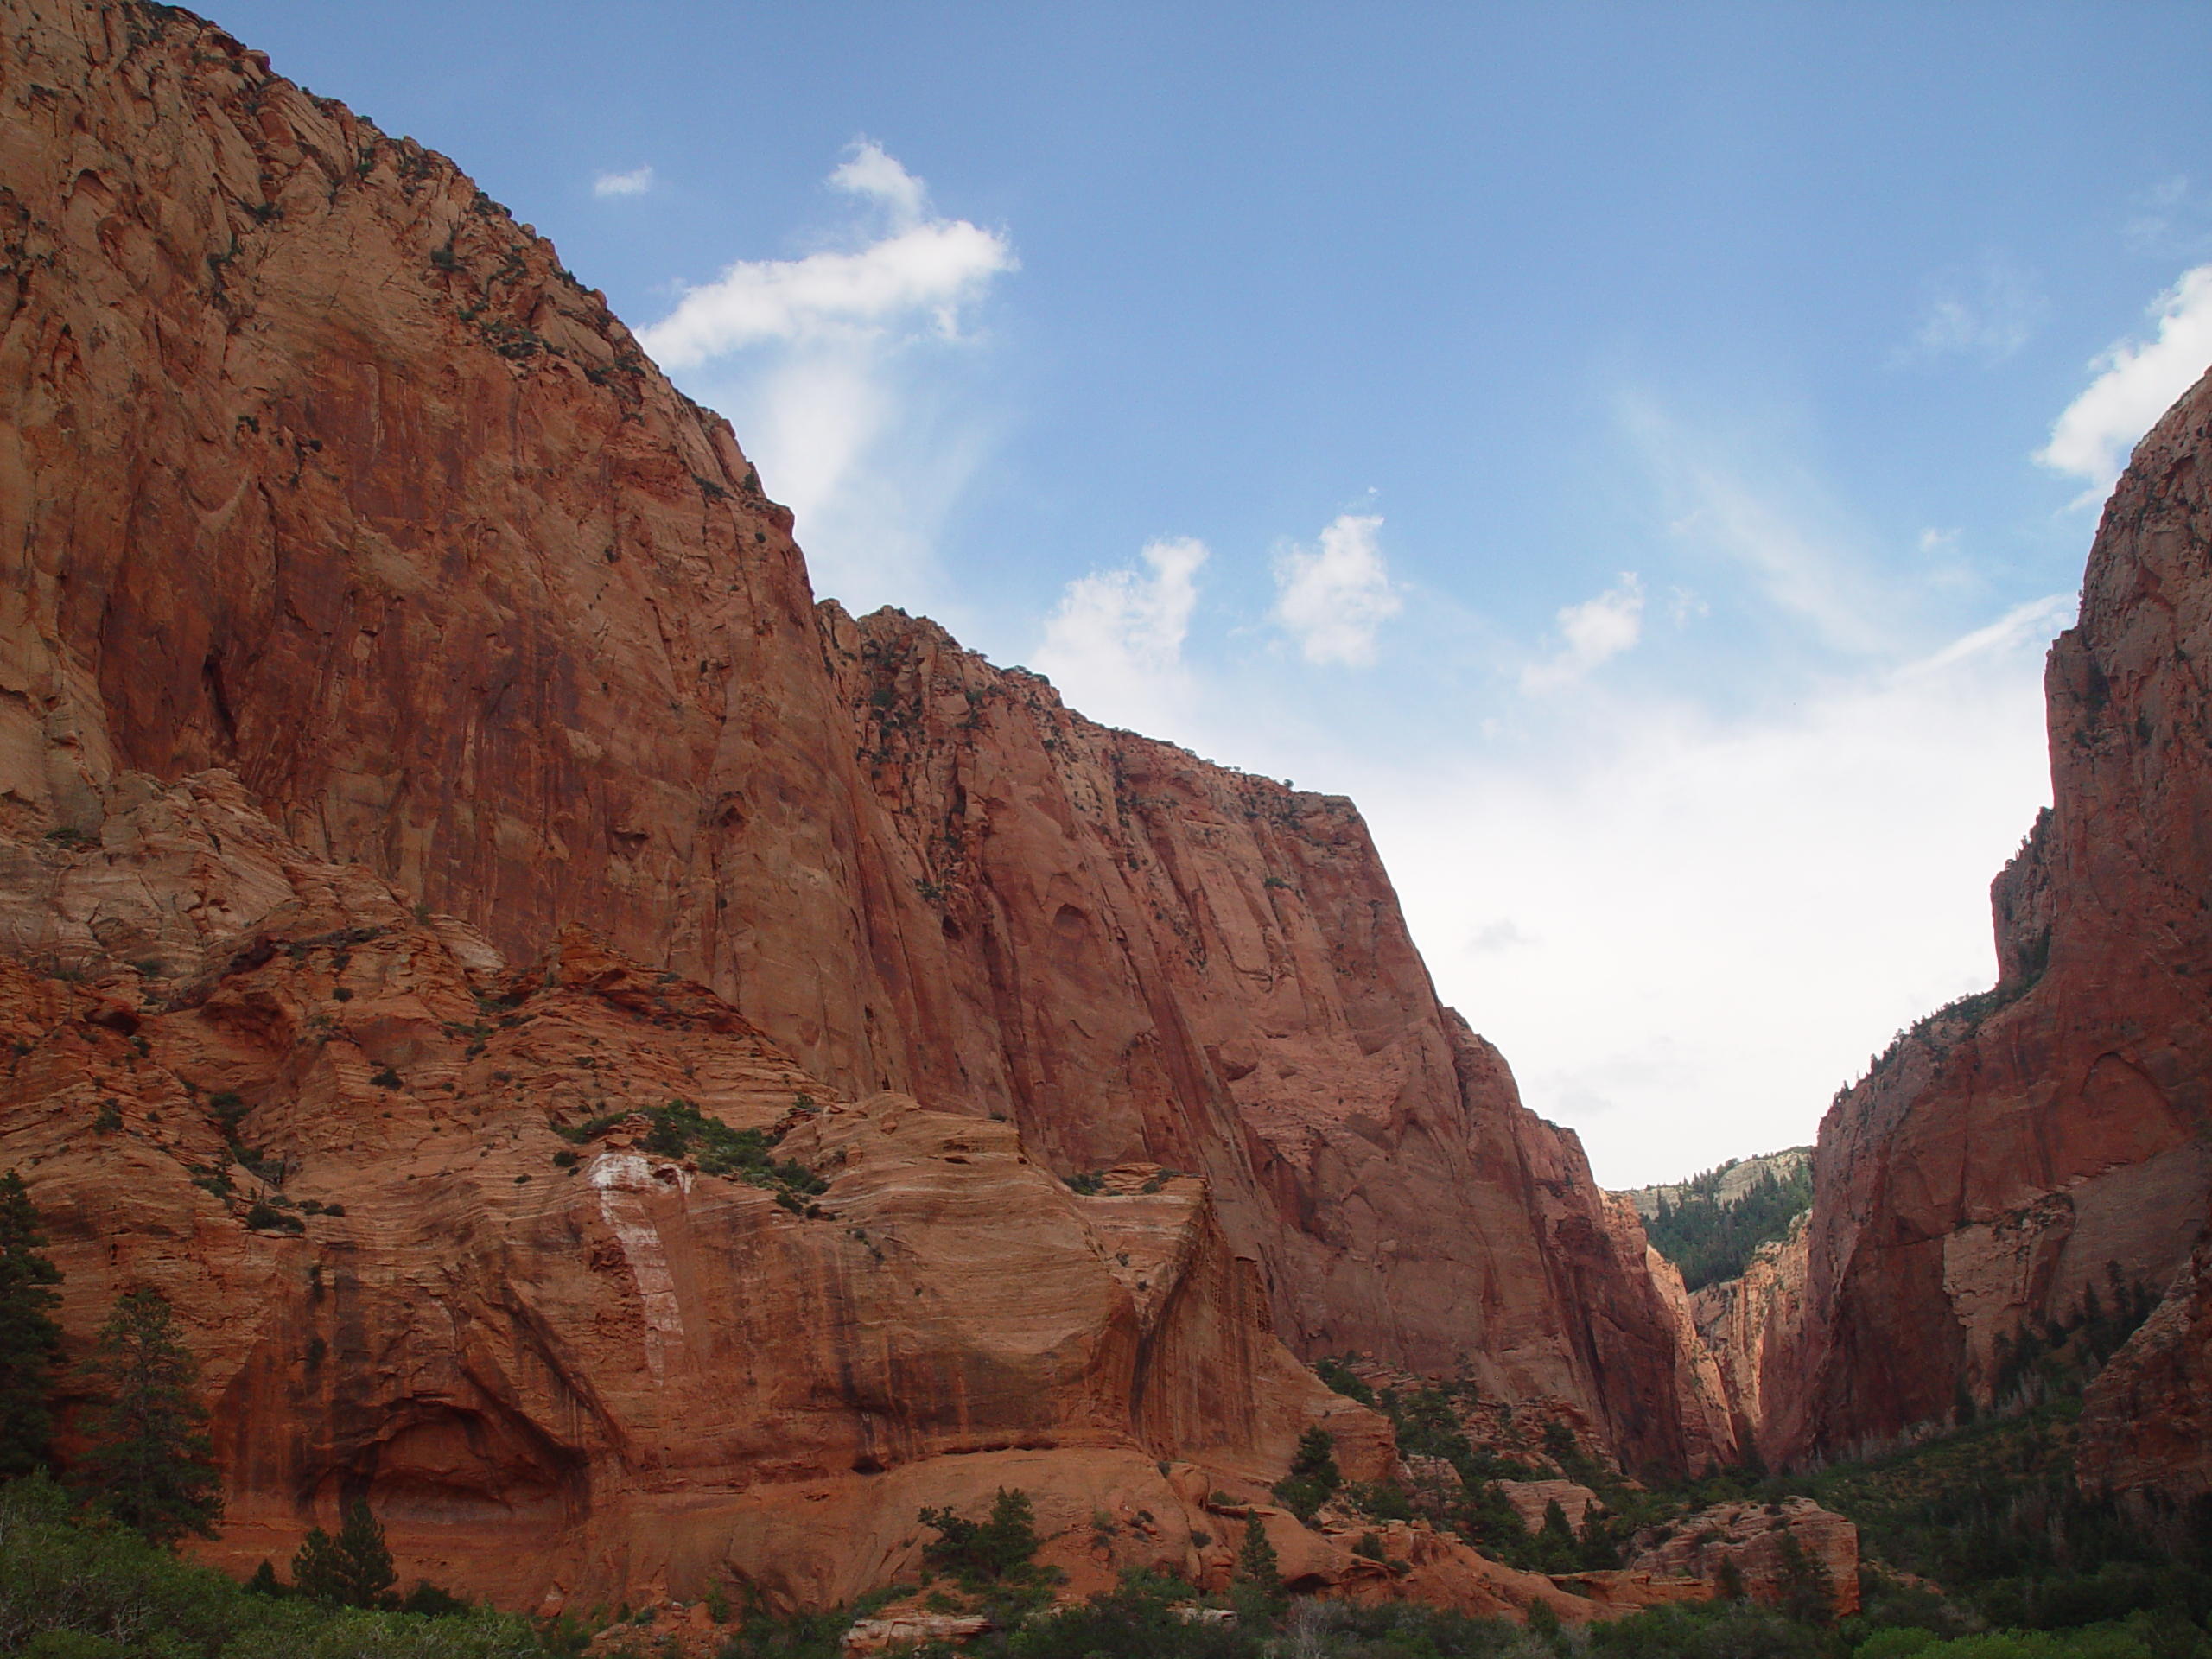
[1638, 453]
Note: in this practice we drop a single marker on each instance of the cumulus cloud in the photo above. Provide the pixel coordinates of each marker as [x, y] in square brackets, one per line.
[1114, 647]
[2136, 382]
[843, 370]
[868, 172]
[635, 182]
[924, 272]
[1333, 598]
[1596, 631]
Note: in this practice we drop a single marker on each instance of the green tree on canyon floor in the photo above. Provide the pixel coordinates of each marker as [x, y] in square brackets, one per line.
[150, 1464]
[29, 1339]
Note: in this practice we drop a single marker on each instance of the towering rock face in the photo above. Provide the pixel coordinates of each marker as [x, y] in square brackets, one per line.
[2013, 1157]
[328, 500]
[1133, 953]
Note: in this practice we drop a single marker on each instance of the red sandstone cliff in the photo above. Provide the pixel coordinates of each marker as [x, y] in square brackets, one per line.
[356, 560]
[328, 1128]
[2018, 1150]
[1137, 954]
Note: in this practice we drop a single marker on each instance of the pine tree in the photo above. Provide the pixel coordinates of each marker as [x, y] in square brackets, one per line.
[1257, 1582]
[150, 1465]
[354, 1569]
[29, 1341]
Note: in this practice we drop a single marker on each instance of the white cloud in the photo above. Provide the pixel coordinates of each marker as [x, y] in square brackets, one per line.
[924, 273]
[1333, 598]
[1596, 631]
[2136, 384]
[1114, 645]
[635, 182]
[834, 367]
[1715, 920]
[868, 172]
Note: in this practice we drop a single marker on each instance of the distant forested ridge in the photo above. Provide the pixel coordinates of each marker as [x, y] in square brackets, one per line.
[1710, 1236]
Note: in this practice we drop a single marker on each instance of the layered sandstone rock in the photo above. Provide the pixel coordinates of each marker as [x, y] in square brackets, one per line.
[321, 471]
[329, 1129]
[2031, 1145]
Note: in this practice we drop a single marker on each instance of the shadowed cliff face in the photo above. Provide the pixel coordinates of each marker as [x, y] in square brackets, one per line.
[317, 468]
[2010, 1159]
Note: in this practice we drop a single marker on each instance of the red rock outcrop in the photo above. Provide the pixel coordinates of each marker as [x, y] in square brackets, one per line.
[1749, 1323]
[1777, 1550]
[2018, 1151]
[1142, 955]
[2146, 1421]
[318, 469]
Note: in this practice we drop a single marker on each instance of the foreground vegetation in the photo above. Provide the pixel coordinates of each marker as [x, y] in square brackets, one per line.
[2031, 1568]
[1979, 1544]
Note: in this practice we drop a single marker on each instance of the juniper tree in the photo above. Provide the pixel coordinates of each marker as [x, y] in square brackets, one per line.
[30, 1340]
[150, 1465]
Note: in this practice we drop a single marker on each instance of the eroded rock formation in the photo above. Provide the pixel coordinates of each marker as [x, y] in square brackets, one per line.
[1772, 1553]
[586, 1362]
[2146, 1423]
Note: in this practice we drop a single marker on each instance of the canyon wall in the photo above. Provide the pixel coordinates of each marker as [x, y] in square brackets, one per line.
[2023, 1154]
[429, 1255]
[375, 616]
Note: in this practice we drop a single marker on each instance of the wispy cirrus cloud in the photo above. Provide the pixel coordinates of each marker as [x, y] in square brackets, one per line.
[2137, 381]
[820, 362]
[1987, 314]
[2172, 219]
[1754, 513]
[1333, 597]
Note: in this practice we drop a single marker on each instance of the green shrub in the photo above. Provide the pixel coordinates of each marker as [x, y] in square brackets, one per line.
[1336, 1374]
[73, 1588]
[1314, 1475]
[354, 1569]
[680, 1130]
[992, 1550]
